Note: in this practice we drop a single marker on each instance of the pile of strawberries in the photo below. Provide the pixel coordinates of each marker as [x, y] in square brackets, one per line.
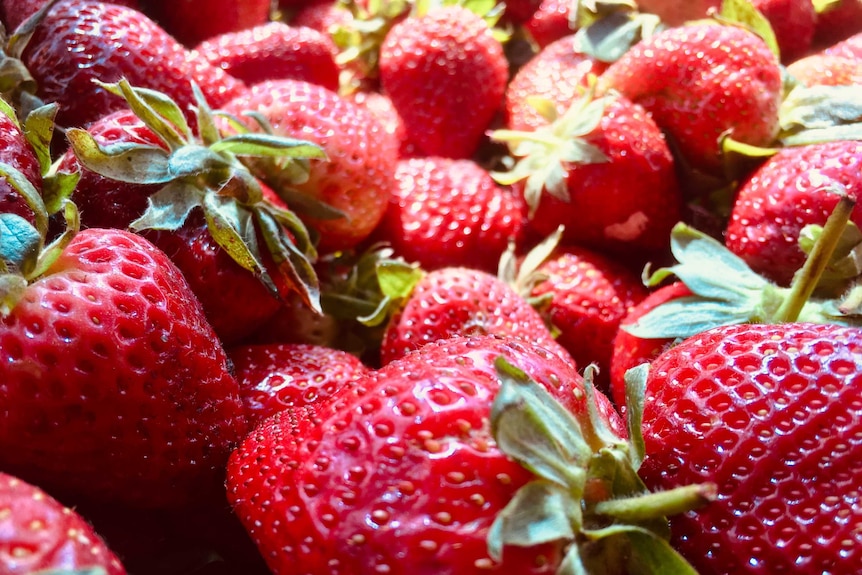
[377, 287]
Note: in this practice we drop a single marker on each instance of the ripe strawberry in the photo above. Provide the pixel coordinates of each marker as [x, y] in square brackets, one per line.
[120, 388]
[193, 21]
[235, 241]
[550, 22]
[822, 69]
[39, 534]
[16, 152]
[403, 475]
[277, 377]
[793, 22]
[676, 12]
[446, 74]
[461, 301]
[603, 171]
[381, 106]
[558, 73]
[16, 11]
[771, 414]
[838, 21]
[447, 212]
[321, 15]
[272, 51]
[356, 180]
[80, 41]
[700, 83]
[784, 195]
[849, 47]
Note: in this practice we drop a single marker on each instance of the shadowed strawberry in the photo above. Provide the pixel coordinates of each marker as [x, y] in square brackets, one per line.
[193, 21]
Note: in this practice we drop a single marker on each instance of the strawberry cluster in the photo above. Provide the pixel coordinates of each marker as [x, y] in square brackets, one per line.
[355, 287]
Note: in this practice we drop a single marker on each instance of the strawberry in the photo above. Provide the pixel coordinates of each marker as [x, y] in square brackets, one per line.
[822, 69]
[793, 23]
[701, 83]
[838, 21]
[445, 73]
[550, 22]
[16, 11]
[272, 51]
[120, 388]
[346, 195]
[193, 21]
[404, 474]
[785, 194]
[602, 170]
[771, 414]
[235, 241]
[849, 47]
[558, 74]
[40, 534]
[321, 15]
[80, 41]
[435, 218]
[381, 106]
[17, 153]
[461, 301]
[276, 377]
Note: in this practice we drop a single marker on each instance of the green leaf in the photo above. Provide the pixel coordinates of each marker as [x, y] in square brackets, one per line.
[193, 160]
[156, 110]
[397, 279]
[636, 380]
[7, 110]
[652, 555]
[53, 250]
[540, 512]
[124, 162]
[744, 12]
[30, 194]
[687, 316]
[610, 37]
[20, 242]
[531, 427]
[57, 188]
[268, 145]
[818, 107]
[207, 129]
[572, 563]
[169, 208]
[39, 130]
[12, 288]
[849, 132]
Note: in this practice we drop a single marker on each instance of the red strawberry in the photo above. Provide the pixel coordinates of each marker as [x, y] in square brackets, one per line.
[849, 47]
[558, 73]
[193, 21]
[121, 391]
[276, 377]
[381, 106]
[460, 301]
[793, 22]
[321, 15]
[675, 12]
[700, 83]
[822, 69]
[602, 170]
[446, 74]
[39, 534]
[772, 415]
[16, 11]
[448, 212]
[356, 180]
[784, 195]
[273, 51]
[80, 41]
[403, 476]
[838, 21]
[17, 153]
[550, 22]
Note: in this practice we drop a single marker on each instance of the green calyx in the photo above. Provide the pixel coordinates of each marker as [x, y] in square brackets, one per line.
[205, 172]
[587, 494]
[548, 153]
[744, 14]
[817, 114]
[606, 29]
[726, 291]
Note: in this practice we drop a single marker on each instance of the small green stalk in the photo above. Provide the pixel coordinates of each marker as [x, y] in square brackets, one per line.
[662, 503]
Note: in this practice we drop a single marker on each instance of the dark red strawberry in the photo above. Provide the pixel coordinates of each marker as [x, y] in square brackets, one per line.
[343, 197]
[550, 22]
[273, 51]
[41, 535]
[772, 415]
[193, 21]
[785, 194]
[701, 83]
[793, 23]
[448, 212]
[445, 73]
[405, 474]
[276, 377]
[838, 21]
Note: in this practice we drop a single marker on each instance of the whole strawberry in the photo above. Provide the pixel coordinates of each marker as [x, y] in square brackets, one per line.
[786, 193]
[272, 51]
[550, 22]
[445, 73]
[771, 414]
[344, 196]
[193, 21]
[701, 83]
[39, 534]
[447, 212]
[14, 12]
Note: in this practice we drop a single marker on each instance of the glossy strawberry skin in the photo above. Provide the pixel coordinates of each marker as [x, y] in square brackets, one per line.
[272, 51]
[357, 178]
[627, 205]
[784, 195]
[825, 69]
[771, 413]
[446, 74]
[699, 82]
[120, 388]
[549, 22]
[557, 73]
[17, 153]
[193, 21]
[590, 294]
[462, 301]
[235, 302]
[84, 40]
[793, 22]
[40, 534]
[403, 473]
[276, 377]
[447, 212]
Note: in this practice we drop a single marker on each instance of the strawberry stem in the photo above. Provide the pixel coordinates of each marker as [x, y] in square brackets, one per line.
[809, 275]
[659, 504]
